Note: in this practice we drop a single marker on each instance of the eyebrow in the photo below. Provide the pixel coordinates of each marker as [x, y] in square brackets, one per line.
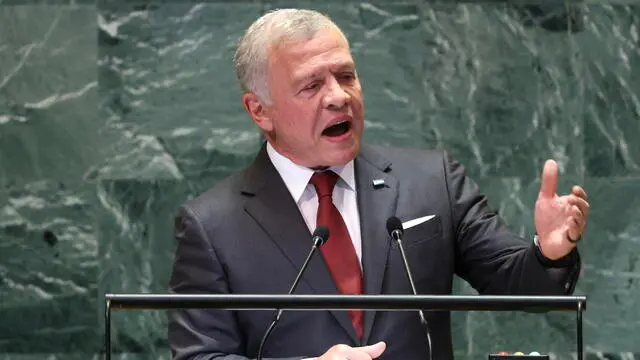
[339, 68]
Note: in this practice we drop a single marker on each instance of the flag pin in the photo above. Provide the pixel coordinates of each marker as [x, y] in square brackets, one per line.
[378, 183]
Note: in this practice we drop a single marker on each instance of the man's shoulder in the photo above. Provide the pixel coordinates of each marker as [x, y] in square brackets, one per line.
[405, 156]
[223, 196]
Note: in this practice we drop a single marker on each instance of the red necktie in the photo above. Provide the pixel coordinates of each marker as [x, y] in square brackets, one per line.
[339, 253]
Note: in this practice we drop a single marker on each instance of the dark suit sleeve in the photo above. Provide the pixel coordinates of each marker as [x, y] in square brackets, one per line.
[198, 334]
[489, 256]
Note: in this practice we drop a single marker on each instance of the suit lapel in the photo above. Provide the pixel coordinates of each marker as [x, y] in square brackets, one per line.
[270, 204]
[376, 203]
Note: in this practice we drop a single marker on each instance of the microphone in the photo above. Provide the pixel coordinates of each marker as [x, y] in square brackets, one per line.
[395, 229]
[319, 237]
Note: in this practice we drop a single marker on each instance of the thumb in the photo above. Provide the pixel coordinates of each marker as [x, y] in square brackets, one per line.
[374, 350]
[549, 181]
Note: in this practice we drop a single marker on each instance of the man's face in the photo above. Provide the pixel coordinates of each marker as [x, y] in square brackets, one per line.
[316, 115]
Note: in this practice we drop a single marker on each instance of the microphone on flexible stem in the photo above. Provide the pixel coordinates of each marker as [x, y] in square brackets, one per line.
[395, 229]
[319, 237]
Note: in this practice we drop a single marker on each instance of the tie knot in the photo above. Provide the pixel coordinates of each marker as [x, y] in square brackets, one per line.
[324, 182]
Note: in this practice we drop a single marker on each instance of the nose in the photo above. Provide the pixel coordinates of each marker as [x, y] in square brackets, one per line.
[336, 98]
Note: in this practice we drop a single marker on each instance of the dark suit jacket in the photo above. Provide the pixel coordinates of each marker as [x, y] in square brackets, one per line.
[247, 236]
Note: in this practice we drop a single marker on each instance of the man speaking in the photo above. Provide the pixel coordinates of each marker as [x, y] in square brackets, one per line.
[252, 232]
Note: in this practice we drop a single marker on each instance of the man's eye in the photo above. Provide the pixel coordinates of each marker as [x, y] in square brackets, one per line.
[312, 86]
[348, 76]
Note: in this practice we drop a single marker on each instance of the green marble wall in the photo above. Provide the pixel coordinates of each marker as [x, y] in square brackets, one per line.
[112, 113]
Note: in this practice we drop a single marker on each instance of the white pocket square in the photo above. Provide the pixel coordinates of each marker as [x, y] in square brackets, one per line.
[411, 223]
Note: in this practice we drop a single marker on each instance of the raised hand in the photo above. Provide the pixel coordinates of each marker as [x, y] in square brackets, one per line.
[559, 220]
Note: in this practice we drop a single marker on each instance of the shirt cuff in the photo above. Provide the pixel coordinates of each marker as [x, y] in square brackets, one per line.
[564, 262]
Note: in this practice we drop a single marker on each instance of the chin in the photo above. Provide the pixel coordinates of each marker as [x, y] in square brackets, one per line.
[342, 158]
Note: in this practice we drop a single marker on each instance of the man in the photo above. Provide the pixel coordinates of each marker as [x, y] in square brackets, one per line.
[251, 232]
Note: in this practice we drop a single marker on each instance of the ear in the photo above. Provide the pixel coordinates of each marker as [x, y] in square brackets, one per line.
[258, 111]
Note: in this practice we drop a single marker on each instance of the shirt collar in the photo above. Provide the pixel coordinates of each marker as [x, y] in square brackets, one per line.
[297, 177]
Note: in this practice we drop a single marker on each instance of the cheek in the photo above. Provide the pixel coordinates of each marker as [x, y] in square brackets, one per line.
[356, 96]
[286, 115]
[300, 121]
[306, 115]
[357, 104]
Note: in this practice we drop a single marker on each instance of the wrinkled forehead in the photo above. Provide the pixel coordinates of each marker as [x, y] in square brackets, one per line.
[327, 46]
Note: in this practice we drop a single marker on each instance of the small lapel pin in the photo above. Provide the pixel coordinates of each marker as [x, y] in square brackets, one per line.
[378, 183]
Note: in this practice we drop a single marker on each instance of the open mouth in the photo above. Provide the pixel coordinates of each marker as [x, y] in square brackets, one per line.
[338, 129]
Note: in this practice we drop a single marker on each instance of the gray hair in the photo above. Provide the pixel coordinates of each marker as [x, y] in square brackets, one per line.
[267, 32]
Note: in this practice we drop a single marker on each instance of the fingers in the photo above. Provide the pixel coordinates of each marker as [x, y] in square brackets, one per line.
[578, 217]
[549, 179]
[582, 204]
[574, 230]
[575, 223]
[345, 352]
[374, 350]
[579, 192]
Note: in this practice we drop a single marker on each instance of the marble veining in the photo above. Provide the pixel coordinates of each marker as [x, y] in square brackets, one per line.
[113, 113]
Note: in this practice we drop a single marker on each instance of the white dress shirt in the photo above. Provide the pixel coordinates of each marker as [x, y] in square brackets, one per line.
[297, 177]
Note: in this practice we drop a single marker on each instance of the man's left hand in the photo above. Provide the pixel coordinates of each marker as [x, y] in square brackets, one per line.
[559, 220]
